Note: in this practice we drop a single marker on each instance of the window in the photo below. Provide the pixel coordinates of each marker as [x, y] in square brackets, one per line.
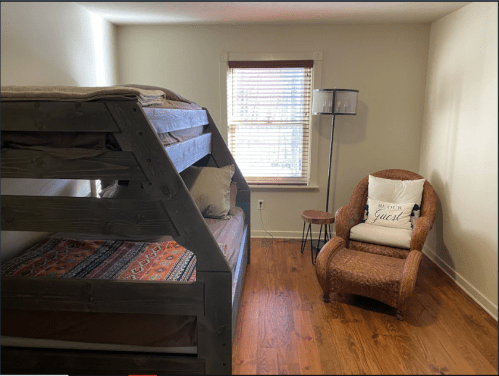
[268, 115]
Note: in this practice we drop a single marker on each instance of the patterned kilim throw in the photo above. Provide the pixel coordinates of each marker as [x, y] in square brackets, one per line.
[105, 259]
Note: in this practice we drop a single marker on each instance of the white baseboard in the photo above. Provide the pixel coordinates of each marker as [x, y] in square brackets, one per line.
[284, 234]
[466, 286]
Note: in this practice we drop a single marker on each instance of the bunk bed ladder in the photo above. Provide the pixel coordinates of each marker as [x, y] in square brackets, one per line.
[165, 184]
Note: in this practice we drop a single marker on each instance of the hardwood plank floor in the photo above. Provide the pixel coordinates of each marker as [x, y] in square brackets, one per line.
[284, 327]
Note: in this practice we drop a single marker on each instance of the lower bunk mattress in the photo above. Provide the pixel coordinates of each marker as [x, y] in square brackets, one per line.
[61, 256]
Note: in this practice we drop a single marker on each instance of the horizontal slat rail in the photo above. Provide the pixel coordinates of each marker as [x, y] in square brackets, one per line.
[99, 295]
[168, 120]
[186, 153]
[85, 215]
[41, 165]
[57, 117]
[77, 362]
[12, 341]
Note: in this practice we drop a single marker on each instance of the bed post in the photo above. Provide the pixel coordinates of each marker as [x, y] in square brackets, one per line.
[215, 326]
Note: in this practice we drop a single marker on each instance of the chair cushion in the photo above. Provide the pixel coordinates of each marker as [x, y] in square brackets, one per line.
[393, 237]
[398, 192]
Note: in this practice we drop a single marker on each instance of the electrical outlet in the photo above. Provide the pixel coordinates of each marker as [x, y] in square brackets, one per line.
[260, 204]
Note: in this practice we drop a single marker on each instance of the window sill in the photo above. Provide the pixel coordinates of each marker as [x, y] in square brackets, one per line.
[310, 187]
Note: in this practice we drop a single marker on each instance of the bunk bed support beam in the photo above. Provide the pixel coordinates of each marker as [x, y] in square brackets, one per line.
[32, 164]
[132, 218]
[97, 295]
[43, 116]
[17, 360]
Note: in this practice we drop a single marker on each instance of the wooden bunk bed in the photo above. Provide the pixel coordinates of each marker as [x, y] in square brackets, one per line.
[121, 114]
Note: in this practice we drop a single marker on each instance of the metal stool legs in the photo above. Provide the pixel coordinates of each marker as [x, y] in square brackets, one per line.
[304, 238]
[327, 236]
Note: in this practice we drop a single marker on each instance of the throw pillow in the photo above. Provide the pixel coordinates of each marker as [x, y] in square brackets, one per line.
[398, 192]
[389, 214]
[210, 189]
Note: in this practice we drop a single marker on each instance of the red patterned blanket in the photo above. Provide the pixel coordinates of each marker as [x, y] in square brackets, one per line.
[105, 259]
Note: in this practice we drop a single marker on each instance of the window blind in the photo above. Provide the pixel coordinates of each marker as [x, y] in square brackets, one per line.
[268, 105]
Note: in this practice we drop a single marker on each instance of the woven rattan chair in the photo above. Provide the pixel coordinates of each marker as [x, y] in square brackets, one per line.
[387, 274]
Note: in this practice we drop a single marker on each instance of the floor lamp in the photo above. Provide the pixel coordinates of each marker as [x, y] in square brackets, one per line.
[333, 102]
[327, 102]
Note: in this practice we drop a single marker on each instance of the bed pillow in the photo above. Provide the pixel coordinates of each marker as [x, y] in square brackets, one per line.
[210, 189]
[388, 214]
[397, 192]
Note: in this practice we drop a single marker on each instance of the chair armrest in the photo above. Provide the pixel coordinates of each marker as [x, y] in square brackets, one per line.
[324, 260]
[351, 215]
[346, 217]
[409, 277]
[341, 224]
[422, 227]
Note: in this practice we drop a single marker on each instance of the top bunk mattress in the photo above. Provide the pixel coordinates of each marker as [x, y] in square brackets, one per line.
[59, 144]
[146, 95]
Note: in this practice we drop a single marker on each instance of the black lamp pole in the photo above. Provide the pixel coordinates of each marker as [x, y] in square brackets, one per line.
[329, 171]
[331, 102]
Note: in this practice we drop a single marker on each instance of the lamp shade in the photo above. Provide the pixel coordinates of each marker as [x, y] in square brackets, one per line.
[334, 102]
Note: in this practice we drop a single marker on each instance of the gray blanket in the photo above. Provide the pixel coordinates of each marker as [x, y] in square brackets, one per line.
[147, 96]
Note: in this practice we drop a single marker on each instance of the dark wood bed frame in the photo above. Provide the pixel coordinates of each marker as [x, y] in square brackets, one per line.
[170, 211]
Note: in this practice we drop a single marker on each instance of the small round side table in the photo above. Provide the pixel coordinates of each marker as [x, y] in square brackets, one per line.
[316, 217]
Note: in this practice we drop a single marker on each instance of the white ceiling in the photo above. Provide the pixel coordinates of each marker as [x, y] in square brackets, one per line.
[128, 13]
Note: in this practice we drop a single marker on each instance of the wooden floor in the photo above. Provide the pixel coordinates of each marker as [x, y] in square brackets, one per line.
[285, 328]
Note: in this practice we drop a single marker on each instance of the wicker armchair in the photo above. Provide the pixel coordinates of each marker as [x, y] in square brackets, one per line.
[384, 273]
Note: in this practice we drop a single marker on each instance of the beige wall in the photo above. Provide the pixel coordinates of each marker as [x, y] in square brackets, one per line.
[52, 44]
[459, 148]
[56, 43]
[387, 63]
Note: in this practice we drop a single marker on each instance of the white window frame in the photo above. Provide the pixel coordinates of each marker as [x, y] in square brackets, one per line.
[316, 56]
